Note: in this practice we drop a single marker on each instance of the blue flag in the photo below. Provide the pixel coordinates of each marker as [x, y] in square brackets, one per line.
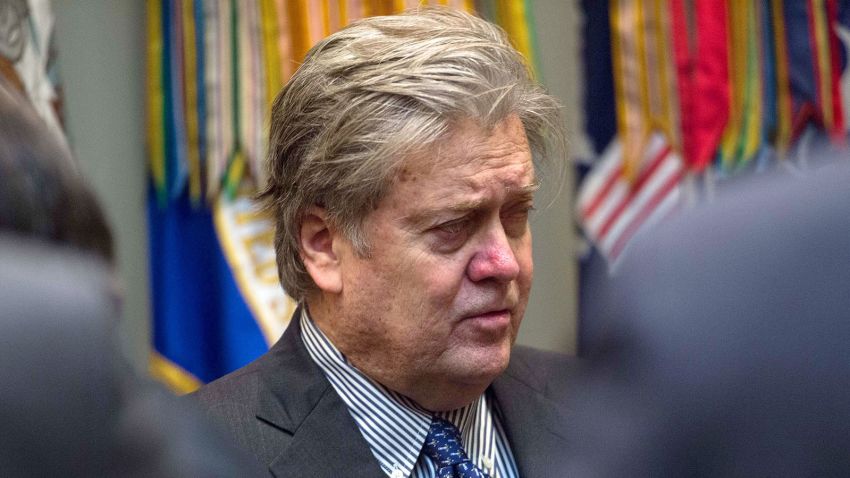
[202, 326]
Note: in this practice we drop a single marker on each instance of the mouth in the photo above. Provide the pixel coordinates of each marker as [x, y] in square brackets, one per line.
[490, 321]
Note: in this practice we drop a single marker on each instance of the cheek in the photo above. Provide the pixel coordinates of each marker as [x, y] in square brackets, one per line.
[522, 252]
[526, 268]
[442, 282]
[524, 280]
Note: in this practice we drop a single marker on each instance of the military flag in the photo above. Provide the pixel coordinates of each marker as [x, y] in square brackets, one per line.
[637, 178]
[748, 77]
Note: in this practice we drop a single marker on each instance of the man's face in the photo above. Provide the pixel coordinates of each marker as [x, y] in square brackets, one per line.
[436, 306]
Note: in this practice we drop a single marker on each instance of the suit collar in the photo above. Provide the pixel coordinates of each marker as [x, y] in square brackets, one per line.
[288, 367]
[534, 424]
[296, 398]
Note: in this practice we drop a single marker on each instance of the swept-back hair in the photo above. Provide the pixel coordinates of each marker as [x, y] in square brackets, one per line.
[373, 95]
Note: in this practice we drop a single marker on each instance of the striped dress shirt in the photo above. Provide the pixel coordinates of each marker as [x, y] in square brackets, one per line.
[395, 427]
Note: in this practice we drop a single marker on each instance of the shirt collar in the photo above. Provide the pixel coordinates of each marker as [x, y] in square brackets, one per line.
[393, 425]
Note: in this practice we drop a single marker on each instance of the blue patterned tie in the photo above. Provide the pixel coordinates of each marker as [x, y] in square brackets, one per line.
[443, 445]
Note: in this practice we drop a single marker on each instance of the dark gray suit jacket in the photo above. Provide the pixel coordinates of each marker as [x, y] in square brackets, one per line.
[283, 409]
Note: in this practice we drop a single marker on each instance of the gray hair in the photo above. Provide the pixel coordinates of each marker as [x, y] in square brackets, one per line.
[376, 93]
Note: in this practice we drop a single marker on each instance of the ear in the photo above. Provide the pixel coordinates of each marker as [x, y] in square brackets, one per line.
[317, 251]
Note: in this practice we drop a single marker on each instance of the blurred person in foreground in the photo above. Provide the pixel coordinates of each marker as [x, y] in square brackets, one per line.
[69, 404]
[401, 180]
[727, 351]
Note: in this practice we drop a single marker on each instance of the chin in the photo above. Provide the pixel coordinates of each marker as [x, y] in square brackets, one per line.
[481, 365]
[466, 373]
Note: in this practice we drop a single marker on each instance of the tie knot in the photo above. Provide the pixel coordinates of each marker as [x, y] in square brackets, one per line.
[443, 443]
[443, 446]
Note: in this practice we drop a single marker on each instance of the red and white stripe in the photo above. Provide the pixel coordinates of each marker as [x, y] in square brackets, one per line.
[612, 210]
[843, 33]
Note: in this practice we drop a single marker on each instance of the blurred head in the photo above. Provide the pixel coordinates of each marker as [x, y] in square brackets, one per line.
[401, 178]
[42, 195]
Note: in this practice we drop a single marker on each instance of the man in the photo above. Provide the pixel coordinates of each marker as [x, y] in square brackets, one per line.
[401, 179]
[70, 405]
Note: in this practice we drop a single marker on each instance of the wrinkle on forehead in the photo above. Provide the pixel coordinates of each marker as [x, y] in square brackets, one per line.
[471, 170]
[468, 141]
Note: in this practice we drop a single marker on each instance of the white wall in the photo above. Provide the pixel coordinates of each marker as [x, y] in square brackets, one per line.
[100, 46]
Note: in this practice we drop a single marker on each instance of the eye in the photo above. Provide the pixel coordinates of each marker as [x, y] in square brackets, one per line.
[453, 227]
[515, 219]
[451, 234]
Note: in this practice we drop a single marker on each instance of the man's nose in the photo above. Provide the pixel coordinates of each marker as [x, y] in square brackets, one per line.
[495, 259]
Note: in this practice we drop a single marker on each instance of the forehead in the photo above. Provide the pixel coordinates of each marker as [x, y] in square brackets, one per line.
[473, 158]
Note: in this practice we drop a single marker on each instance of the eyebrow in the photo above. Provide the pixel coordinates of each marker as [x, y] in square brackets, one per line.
[529, 188]
[425, 218]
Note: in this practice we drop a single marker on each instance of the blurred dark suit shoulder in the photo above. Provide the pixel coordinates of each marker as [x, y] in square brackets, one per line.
[726, 352]
[71, 406]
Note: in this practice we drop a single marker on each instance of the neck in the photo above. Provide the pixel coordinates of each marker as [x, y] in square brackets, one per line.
[432, 393]
[445, 400]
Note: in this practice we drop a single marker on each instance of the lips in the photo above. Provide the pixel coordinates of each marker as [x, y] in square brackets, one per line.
[492, 320]
[485, 308]
[492, 314]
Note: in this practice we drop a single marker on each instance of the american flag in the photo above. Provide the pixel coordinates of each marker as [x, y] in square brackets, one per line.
[612, 209]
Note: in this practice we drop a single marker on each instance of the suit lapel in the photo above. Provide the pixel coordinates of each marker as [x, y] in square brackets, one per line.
[327, 444]
[533, 424]
[297, 399]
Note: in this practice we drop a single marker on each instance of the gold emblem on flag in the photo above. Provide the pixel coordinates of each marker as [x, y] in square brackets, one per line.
[247, 240]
